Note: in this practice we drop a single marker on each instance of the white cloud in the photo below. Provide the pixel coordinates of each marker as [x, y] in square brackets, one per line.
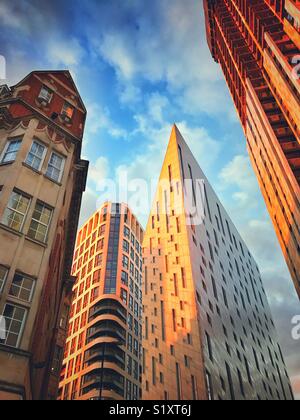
[9, 18]
[129, 94]
[67, 52]
[113, 48]
[167, 44]
[99, 119]
[240, 173]
[99, 171]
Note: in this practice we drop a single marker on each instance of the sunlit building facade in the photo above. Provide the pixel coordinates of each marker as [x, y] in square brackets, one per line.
[42, 179]
[208, 330]
[104, 346]
[257, 45]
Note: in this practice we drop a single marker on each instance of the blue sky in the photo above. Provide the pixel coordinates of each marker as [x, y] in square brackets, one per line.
[140, 66]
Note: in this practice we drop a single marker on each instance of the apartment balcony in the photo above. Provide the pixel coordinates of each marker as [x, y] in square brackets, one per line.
[107, 380]
[106, 328]
[105, 352]
[108, 307]
[280, 127]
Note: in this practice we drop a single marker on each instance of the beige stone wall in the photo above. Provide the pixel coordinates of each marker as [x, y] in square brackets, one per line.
[17, 251]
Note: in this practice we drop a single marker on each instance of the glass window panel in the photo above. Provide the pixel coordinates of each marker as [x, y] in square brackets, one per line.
[16, 211]
[11, 151]
[55, 167]
[3, 276]
[35, 156]
[40, 222]
[15, 318]
[22, 288]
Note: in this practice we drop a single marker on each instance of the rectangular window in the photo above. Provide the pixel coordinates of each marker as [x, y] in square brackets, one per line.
[126, 232]
[209, 386]
[40, 222]
[124, 278]
[15, 317]
[125, 262]
[55, 167]
[125, 246]
[36, 156]
[231, 387]
[209, 347]
[22, 288]
[10, 152]
[3, 276]
[67, 111]
[153, 371]
[45, 94]
[221, 219]
[124, 296]
[163, 326]
[16, 211]
[225, 297]
[248, 371]
[178, 380]
[174, 320]
[241, 383]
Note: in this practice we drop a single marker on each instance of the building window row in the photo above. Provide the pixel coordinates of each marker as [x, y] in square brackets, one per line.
[16, 212]
[35, 158]
[45, 97]
[22, 290]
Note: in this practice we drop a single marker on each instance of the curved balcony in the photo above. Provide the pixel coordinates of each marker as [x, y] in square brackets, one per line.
[105, 352]
[107, 380]
[108, 307]
[106, 328]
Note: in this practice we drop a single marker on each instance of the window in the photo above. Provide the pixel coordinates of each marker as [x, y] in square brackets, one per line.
[126, 232]
[10, 152]
[36, 155]
[40, 222]
[45, 95]
[15, 317]
[67, 111]
[209, 386]
[22, 288]
[124, 278]
[125, 246]
[124, 296]
[125, 261]
[16, 211]
[3, 276]
[55, 167]
[209, 347]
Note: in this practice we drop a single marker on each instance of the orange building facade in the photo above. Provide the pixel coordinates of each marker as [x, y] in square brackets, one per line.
[208, 330]
[104, 346]
[257, 45]
[42, 179]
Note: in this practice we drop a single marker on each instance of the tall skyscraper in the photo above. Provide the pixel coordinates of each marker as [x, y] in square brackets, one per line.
[208, 329]
[104, 345]
[42, 178]
[257, 45]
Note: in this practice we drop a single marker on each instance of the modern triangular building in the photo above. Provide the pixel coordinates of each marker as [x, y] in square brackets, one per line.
[208, 329]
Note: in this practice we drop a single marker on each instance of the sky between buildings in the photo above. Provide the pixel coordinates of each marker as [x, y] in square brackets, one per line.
[140, 66]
